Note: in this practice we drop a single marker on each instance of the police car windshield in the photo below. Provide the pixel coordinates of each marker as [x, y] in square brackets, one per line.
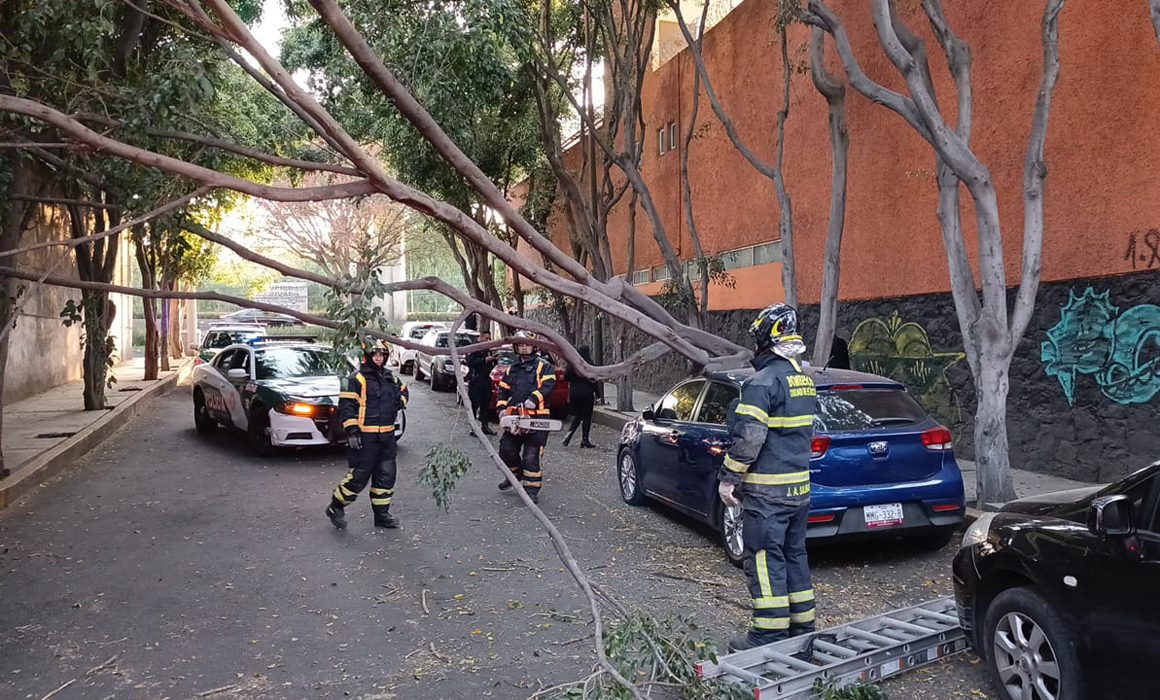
[460, 339]
[866, 409]
[283, 363]
[220, 339]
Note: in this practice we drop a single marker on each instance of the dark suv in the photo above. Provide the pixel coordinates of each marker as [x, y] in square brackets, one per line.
[1058, 593]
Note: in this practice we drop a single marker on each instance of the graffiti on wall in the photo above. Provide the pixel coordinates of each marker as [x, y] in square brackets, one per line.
[1121, 351]
[902, 351]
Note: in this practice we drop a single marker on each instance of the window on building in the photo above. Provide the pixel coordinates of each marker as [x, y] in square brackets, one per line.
[767, 253]
[661, 141]
[672, 135]
[641, 277]
[737, 258]
[660, 273]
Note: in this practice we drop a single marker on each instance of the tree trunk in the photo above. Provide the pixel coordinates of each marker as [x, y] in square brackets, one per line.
[176, 347]
[149, 308]
[994, 482]
[96, 357]
[788, 271]
[835, 95]
[163, 336]
[15, 215]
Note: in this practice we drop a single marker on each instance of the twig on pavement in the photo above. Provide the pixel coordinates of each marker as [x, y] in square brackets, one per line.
[46, 697]
[108, 662]
[423, 599]
[690, 579]
[215, 691]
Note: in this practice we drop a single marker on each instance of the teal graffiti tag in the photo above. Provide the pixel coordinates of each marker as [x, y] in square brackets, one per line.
[1121, 351]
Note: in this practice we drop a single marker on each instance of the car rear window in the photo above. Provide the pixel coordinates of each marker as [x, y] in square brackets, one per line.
[221, 339]
[866, 409]
[419, 331]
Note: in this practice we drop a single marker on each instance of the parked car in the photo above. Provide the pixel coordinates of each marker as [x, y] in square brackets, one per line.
[281, 395]
[403, 357]
[1057, 593]
[439, 368]
[223, 335]
[881, 467]
[505, 358]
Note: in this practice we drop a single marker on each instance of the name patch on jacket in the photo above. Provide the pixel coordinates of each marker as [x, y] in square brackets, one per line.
[801, 385]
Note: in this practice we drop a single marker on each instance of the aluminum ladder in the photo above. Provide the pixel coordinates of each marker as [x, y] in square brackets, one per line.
[865, 651]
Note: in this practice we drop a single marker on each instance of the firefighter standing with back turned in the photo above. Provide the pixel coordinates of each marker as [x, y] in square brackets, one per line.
[368, 406]
[772, 428]
[527, 386]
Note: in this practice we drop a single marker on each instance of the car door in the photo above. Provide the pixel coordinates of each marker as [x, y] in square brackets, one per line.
[708, 441]
[664, 441]
[216, 388]
[1123, 581]
[243, 360]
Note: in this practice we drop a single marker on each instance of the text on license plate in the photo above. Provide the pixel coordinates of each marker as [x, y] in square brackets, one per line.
[883, 514]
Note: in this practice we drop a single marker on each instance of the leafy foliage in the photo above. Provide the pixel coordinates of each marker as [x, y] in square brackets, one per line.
[442, 469]
[850, 692]
[675, 294]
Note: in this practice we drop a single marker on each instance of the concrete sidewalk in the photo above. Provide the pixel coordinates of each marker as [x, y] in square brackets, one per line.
[46, 432]
[1027, 483]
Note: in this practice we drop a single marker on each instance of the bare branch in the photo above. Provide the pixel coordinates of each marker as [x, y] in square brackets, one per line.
[62, 201]
[1154, 11]
[686, 184]
[1034, 175]
[204, 176]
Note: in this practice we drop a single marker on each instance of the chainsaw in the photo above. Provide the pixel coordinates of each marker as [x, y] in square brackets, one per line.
[519, 419]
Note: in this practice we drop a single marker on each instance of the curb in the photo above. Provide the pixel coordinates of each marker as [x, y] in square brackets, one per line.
[55, 459]
[609, 418]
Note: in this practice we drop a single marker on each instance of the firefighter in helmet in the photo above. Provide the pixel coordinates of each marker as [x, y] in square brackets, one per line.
[772, 427]
[368, 406]
[525, 389]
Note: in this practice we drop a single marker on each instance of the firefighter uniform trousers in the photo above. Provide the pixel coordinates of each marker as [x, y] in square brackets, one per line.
[375, 463]
[776, 567]
[522, 453]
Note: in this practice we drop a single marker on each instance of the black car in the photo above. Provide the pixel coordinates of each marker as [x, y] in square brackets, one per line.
[438, 367]
[1058, 593]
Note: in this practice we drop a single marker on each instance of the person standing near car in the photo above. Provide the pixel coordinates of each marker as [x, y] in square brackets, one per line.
[526, 388]
[772, 427]
[368, 406]
[479, 366]
[581, 399]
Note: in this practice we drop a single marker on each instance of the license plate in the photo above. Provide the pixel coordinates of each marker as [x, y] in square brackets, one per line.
[883, 515]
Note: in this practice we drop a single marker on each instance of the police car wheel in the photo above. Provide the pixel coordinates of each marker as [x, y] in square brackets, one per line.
[259, 432]
[201, 417]
[730, 521]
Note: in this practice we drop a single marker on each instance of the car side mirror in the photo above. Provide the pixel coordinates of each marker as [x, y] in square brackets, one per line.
[1111, 516]
[648, 413]
[237, 373]
[193, 348]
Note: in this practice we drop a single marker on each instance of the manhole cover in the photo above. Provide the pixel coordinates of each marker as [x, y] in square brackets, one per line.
[55, 435]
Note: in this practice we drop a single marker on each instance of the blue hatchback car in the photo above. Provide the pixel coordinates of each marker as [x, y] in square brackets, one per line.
[881, 466]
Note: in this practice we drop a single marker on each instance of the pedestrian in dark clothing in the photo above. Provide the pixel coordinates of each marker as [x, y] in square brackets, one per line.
[368, 406]
[839, 354]
[479, 366]
[581, 399]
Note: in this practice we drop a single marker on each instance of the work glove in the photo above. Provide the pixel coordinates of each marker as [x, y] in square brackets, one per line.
[531, 404]
[354, 441]
[725, 491]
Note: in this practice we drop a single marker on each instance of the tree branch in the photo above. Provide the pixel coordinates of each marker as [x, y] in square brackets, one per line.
[1154, 11]
[1034, 175]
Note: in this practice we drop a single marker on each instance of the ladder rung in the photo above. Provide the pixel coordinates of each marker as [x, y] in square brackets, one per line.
[834, 649]
[828, 658]
[792, 662]
[878, 639]
[910, 627]
[941, 617]
[741, 672]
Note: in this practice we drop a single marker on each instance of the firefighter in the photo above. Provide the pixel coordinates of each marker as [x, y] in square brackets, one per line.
[479, 366]
[526, 389]
[772, 427]
[368, 405]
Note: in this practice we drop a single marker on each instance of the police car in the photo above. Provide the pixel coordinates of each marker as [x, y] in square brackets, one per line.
[279, 394]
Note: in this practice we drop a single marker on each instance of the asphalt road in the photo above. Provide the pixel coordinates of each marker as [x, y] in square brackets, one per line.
[170, 564]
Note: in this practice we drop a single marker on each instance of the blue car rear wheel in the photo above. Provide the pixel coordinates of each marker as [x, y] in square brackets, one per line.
[629, 477]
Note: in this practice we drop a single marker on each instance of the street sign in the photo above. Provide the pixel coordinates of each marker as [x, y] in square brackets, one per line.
[291, 295]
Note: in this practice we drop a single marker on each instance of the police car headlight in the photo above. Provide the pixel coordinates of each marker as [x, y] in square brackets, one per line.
[978, 531]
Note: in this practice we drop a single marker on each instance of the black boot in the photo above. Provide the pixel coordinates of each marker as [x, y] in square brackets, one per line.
[586, 444]
[504, 485]
[335, 513]
[487, 430]
[568, 438]
[386, 520]
[741, 642]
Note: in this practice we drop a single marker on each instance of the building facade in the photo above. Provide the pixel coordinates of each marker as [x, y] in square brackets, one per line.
[1085, 384]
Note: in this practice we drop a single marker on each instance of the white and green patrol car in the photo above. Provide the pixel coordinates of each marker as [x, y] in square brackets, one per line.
[281, 395]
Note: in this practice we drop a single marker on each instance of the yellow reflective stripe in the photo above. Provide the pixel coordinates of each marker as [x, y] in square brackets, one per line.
[377, 428]
[790, 421]
[807, 616]
[796, 365]
[774, 623]
[802, 596]
[346, 492]
[504, 385]
[350, 423]
[763, 575]
[745, 409]
[381, 501]
[774, 602]
[735, 466]
[362, 399]
[348, 395]
[777, 479]
[381, 492]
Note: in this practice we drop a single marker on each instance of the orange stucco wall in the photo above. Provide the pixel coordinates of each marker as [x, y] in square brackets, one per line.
[1102, 150]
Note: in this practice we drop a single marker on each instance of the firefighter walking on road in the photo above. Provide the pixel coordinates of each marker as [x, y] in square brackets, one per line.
[772, 428]
[368, 406]
[525, 389]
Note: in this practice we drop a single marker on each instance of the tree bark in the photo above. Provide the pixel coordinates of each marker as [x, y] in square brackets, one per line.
[785, 217]
[687, 186]
[149, 308]
[1154, 11]
[95, 362]
[835, 94]
[994, 482]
